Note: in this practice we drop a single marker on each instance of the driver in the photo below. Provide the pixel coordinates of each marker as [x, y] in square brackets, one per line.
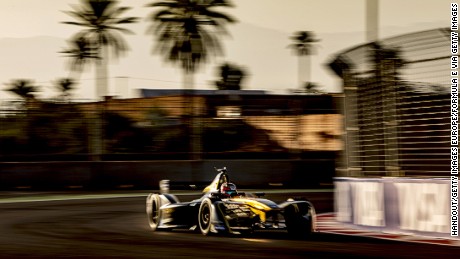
[228, 190]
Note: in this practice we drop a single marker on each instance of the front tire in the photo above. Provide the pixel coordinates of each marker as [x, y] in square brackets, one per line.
[153, 210]
[299, 220]
[204, 216]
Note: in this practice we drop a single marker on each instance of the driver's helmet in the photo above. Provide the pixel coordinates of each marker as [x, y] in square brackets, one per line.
[228, 189]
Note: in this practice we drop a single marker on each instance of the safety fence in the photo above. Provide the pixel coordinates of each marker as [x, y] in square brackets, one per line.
[397, 106]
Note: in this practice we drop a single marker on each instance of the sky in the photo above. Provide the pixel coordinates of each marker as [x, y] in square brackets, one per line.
[258, 42]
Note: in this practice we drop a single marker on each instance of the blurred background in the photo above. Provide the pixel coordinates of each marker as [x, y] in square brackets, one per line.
[361, 91]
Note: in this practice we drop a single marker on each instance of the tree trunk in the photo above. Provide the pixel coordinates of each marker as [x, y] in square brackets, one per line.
[308, 69]
[299, 73]
[97, 138]
[191, 108]
[102, 74]
[304, 69]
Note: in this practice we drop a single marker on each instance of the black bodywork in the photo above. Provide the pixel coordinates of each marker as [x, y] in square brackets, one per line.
[239, 214]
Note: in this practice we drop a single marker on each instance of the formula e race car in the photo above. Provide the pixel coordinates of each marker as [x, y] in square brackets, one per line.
[222, 209]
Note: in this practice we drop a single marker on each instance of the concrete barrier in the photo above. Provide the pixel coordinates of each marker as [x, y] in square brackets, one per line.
[395, 205]
[147, 174]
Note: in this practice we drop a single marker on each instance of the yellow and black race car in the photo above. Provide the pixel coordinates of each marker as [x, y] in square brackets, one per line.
[222, 209]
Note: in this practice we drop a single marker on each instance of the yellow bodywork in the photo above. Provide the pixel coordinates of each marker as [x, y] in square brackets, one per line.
[255, 206]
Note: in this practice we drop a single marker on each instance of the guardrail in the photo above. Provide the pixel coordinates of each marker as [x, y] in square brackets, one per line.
[395, 205]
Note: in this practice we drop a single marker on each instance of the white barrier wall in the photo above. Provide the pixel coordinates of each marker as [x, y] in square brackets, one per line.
[395, 205]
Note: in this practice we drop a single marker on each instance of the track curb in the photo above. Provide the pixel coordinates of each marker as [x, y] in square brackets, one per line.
[326, 223]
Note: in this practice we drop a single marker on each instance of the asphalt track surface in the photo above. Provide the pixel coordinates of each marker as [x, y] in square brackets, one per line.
[94, 227]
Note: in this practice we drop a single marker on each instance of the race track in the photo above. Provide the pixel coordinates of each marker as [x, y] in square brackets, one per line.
[117, 228]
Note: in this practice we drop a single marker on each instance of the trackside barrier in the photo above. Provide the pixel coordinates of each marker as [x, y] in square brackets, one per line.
[248, 173]
[395, 205]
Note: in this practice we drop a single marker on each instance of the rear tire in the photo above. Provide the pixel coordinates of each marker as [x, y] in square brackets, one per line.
[204, 216]
[153, 210]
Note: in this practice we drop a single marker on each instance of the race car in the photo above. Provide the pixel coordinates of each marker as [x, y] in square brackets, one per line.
[223, 209]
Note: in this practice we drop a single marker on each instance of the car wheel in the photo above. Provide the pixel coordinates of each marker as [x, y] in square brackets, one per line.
[298, 220]
[153, 210]
[204, 216]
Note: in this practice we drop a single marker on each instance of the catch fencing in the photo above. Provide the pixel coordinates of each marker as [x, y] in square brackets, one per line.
[397, 106]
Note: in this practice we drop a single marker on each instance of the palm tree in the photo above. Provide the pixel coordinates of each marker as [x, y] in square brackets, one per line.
[101, 22]
[186, 32]
[80, 53]
[303, 41]
[230, 77]
[23, 88]
[64, 86]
